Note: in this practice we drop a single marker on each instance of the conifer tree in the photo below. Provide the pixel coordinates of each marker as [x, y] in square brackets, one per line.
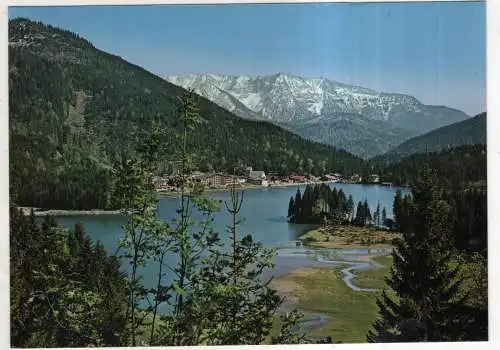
[376, 214]
[384, 216]
[298, 207]
[360, 215]
[307, 202]
[291, 209]
[427, 306]
[367, 216]
[350, 208]
[397, 209]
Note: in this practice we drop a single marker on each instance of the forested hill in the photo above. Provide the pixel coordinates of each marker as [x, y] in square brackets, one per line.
[456, 167]
[75, 110]
[468, 132]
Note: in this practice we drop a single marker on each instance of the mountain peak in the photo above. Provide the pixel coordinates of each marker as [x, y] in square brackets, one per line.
[287, 99]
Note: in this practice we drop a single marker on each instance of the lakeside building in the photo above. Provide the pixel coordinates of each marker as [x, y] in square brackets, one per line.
[217, 180]
[356, 178]
[298, 178]
[374, 178]
[257, 178]
[332, 177]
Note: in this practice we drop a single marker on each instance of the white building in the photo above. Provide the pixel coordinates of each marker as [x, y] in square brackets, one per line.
[257, 178]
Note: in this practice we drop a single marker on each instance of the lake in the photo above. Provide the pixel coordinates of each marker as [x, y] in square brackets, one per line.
[264, 212]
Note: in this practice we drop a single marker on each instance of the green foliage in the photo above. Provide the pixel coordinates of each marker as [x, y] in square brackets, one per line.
[287, 335]
[428, 305]
[226, 301]
[384, 216]
[376, 215]
[454, 167]
[403, 212]
[471, 131]
[470, 224]
[363, 214]
[55, 301]
[468, 212]
[319, 203]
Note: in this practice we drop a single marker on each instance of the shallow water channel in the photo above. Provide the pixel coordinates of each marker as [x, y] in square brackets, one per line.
[349, 260]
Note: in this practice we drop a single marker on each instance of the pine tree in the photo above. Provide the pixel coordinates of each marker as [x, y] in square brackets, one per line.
[367, 215]
[427, 306]
[298, 217]
[230, 300]
[360, 215]
[376, 214]
[291, 210]
[397, 209]
[384, 216]
[307, 203]
[350, 208]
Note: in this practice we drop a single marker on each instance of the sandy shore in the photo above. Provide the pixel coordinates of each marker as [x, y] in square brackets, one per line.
[160, 194]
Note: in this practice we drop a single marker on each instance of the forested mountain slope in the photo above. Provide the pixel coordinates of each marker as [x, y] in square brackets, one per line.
[468, 132]
[75, 110]
[456, 167]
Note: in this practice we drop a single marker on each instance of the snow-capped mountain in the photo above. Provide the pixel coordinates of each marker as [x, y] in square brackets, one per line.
[290, 101]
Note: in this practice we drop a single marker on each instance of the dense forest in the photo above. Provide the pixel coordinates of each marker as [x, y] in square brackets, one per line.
[455, 168]
[64, 289]
[471, 131]
[76, 111]
[437, 289]
[467, 217]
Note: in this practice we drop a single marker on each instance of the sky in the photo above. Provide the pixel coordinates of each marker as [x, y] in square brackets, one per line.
[433, 51]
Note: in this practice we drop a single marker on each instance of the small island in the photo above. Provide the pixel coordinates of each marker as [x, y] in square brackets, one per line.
[347, 236]
[341, 226]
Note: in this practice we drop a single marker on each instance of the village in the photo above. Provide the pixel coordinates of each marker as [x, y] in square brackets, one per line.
[253, 179]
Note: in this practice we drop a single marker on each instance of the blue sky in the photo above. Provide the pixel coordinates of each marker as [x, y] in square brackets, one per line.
[433, 51]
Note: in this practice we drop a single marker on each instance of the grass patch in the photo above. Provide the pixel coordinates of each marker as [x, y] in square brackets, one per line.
[344, 236]
[350, 313]
[374, 278]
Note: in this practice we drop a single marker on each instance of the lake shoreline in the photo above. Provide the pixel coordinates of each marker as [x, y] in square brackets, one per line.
[64, 212]
[160, 195]
[170, 194]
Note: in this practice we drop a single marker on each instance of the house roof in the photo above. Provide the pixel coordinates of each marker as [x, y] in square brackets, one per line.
[258, 174]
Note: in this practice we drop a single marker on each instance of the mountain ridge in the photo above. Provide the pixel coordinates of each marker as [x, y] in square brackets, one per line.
[468, 132]
[286, 98]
